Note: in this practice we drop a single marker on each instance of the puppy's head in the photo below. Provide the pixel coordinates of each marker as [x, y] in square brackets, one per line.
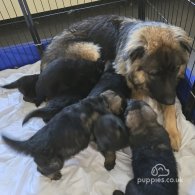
[116, 103]
[110, 133]
[139, 114]
[153, 58]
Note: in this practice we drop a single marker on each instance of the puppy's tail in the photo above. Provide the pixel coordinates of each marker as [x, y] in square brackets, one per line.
[44, 113]
[12, 85]
[118, 192]
[20, 146]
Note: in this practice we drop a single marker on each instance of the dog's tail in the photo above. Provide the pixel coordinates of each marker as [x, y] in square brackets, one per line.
[12, 85]
[118, 192]
[20, 146]
[44, 113]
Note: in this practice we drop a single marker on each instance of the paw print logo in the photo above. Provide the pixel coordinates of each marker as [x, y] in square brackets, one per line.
[160, 170]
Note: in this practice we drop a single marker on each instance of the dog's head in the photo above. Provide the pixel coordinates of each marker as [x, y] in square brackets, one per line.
[153, 58]
[138, 113]
[110, 133]
[116, 103]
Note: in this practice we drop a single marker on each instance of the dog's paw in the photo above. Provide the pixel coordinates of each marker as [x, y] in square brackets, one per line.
[109, 166]
[56, 176]
[175, 139]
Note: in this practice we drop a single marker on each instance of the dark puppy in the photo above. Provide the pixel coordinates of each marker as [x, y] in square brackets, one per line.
[67, 133]
[68, 76]
[26, 85]
[108, 81]
[110, 135]
[111, 81]
[154, 165]
[53, 106]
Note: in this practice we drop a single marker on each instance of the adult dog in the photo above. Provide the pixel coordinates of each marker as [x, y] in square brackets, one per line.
[151, 56]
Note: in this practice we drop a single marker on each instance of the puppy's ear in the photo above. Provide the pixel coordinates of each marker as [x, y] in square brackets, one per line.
[135, 53]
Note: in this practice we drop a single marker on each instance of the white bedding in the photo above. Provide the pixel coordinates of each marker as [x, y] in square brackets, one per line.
[84, 174]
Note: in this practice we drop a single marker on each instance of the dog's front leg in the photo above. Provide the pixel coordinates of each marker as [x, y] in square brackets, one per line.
[110, 158]
[170, 124]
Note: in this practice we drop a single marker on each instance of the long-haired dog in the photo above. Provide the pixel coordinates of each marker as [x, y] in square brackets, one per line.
[108, 81]
[26, 85]
[150, 55]
[153, 162]
[67, 133]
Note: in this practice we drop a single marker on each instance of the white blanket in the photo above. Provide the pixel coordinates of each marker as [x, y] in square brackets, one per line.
[83, 174]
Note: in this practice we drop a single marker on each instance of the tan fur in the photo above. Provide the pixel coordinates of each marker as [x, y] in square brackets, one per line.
[181, 72]
[83, 50]
[169, 118]
[114, 101]
[170, 125]
[151, 38]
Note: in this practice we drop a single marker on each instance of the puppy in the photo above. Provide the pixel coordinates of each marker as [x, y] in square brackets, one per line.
[67, 133]
[26, 85]
[152, 156]
[108, 81]
[111, 81]
[110, 135]
[68, 76]
[52, 107]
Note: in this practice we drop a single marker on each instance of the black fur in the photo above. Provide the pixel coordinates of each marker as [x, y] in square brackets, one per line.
[113, 34]
[53, 106]
[68, 76]
[110, 133]
[108, 81]
[101, 30]
[26, 85]
[150, 146]
[66, 134]
[111, 81]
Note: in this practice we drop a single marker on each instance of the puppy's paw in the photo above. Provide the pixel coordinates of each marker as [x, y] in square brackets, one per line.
[109, 166]
[56, 176]
[175, 139]
[118, 192]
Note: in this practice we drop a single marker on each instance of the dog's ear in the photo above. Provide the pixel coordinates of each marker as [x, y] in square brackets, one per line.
[135, 53]
[186, 45]
[182, 37]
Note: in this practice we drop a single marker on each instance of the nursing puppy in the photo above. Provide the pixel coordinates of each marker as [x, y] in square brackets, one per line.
[150, 55]
[26, 85]
[67, 133]
[152, 156]
[68, 76]
[111, 81]
[110, 135]
[108, 81]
